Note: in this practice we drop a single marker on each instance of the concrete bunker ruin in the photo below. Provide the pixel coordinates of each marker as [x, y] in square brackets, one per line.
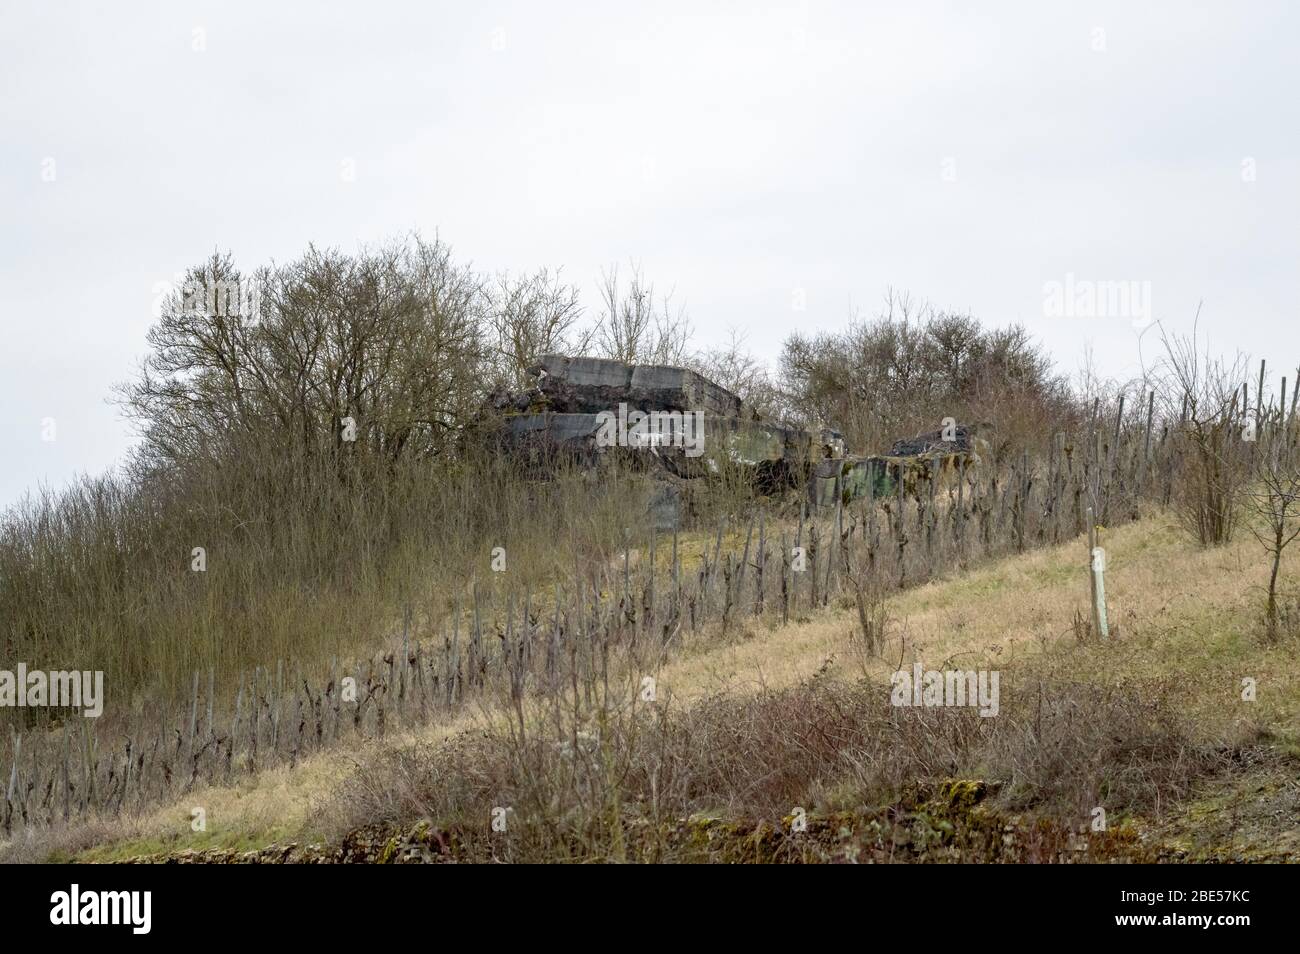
[676, 426]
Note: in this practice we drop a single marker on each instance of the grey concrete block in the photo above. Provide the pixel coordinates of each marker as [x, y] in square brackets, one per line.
[577, 385]
[587, 372]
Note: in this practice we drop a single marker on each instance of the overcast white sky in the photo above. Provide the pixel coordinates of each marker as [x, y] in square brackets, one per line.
[752, 156]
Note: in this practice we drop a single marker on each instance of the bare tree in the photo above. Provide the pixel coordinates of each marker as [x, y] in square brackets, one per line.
[1275, 500]
[734, 367]
[390, 338]
[635, 326]
[529, 316]
[1205, 396]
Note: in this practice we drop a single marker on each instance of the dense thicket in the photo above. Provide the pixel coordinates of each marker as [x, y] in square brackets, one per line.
[906, 370]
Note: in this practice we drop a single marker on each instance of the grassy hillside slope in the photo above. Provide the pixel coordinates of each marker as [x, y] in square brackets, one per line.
[747, 729]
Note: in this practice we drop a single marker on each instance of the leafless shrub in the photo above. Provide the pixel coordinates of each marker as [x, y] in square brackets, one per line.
[1274, 499]
[1205, 397]
[905, 371]
[583, 778]
[869, 596]
[1077, 745]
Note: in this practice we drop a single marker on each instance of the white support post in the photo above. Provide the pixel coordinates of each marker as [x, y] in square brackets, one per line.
[1097, 566]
